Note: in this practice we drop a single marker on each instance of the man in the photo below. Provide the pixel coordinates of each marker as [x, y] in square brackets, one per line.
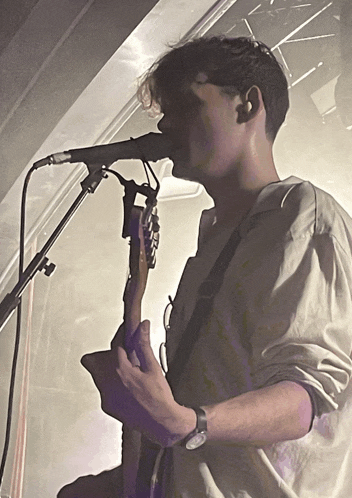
[269, 367]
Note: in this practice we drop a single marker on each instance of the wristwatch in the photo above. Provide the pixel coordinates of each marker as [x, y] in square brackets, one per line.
[198, 436]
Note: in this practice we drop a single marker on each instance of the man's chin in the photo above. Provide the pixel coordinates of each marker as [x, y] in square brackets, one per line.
[184, 173]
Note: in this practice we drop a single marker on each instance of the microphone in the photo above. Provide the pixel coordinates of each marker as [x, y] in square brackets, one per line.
[151, 147]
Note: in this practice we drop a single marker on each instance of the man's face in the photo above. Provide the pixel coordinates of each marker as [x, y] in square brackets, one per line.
[203, 124]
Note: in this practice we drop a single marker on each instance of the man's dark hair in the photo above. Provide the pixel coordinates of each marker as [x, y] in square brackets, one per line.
[235, 64]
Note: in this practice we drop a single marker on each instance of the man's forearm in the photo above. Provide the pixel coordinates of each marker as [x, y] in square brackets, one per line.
[265, 416]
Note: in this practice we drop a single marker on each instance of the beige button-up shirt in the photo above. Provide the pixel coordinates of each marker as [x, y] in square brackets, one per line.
[284, 312]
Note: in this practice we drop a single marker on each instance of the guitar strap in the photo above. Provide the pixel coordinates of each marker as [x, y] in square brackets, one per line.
[206, 294]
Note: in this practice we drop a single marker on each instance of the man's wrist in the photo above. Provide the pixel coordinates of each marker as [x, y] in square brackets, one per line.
[184, 422]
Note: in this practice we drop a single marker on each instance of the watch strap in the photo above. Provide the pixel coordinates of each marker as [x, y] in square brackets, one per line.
[201, 425]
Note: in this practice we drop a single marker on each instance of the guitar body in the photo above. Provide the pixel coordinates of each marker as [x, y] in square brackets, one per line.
[131, 446]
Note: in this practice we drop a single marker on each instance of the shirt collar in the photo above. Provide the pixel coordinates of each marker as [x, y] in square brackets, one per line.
[271, 197]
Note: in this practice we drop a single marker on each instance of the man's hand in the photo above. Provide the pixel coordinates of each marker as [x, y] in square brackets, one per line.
[140, 397]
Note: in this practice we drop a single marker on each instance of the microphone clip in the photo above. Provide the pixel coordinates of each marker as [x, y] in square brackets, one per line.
[96, 173]
[129, 198]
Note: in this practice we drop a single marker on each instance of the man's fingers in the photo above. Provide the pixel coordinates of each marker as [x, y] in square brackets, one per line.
[123, 363]
[143, 348]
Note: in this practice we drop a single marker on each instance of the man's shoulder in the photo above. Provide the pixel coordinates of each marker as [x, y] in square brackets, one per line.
[318, 211]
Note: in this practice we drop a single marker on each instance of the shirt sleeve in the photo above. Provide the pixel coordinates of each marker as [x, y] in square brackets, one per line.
[301, 320]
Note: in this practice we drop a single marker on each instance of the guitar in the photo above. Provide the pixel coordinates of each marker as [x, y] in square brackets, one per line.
[144, 239]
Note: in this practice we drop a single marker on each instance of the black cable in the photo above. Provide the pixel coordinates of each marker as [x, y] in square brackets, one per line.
[11, 393]
[147, 167]
[145, 163]
[18, 330]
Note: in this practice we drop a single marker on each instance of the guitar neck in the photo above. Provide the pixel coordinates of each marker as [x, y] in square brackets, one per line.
[132, 318]
[143, 244]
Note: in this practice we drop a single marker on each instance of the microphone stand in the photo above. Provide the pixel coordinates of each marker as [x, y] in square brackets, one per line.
[40, 262]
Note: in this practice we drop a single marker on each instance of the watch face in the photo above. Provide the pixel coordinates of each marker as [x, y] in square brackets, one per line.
[196, 441]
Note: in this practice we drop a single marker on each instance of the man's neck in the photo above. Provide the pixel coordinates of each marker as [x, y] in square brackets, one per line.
[236, 194]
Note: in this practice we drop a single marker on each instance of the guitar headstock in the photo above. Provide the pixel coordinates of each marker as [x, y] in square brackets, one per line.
[144, 237]
[150, 228]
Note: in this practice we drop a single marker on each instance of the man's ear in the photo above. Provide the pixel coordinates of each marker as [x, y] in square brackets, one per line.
[252, 104]
[201, 78]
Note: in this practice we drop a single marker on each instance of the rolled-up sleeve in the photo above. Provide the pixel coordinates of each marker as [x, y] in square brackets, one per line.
[301, 319]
